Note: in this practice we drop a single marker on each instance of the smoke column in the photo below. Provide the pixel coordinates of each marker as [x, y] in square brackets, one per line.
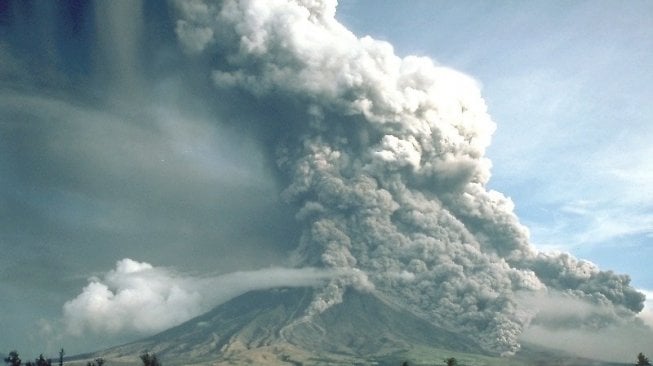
[384, 158]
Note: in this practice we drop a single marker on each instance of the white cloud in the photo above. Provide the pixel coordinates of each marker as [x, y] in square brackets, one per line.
[605, 221]
[586, 140]
[134, 296]
[612, 202]
[138, 297]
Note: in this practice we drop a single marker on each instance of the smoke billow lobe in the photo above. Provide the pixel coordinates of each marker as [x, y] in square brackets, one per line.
[384, 158]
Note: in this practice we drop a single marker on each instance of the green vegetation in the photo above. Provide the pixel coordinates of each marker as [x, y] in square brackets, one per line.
[13, 359]
[150, 359]
[429, 356]
[425, 356]
[642, 360]
[40, 361]
[419, 356]
[98, 362]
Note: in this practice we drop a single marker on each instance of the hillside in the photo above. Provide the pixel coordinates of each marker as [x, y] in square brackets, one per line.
[268, 328]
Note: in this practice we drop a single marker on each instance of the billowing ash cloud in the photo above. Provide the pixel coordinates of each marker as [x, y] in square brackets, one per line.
[384, 158]
[647, 313]
[138, 297]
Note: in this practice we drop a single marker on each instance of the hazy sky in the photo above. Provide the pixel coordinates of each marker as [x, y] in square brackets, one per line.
[109, 149]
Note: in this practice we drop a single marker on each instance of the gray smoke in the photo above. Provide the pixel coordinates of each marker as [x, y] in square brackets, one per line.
[384, 158]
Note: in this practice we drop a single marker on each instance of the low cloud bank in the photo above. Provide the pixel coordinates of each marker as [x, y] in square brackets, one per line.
[585, 327]
[614, 343]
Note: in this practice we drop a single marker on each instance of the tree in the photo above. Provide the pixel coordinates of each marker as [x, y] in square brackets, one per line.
[150, 359]
[41, 361]
[450, 361]
[13, 359]
[642, 360]
[98, 362]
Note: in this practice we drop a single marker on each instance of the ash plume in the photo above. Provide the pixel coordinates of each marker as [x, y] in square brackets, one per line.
[384, 158]
[137, 297]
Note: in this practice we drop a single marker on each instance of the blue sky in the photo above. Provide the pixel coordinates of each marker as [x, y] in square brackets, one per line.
[106, 153]
[569, 85]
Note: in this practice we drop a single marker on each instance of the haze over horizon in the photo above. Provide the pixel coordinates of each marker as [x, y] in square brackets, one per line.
[158, 160]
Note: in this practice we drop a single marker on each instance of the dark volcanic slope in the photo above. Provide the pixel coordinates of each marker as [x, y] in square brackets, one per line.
[253, 319]
[362, 326]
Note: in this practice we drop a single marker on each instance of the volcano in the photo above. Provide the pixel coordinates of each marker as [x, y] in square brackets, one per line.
[269, 327]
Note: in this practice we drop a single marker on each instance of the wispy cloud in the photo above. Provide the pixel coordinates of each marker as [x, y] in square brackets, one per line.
[591, 201]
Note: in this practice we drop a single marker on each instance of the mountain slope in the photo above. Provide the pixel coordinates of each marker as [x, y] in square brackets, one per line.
[268, 327]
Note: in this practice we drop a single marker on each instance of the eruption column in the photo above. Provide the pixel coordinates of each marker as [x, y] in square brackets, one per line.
[384, 158]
